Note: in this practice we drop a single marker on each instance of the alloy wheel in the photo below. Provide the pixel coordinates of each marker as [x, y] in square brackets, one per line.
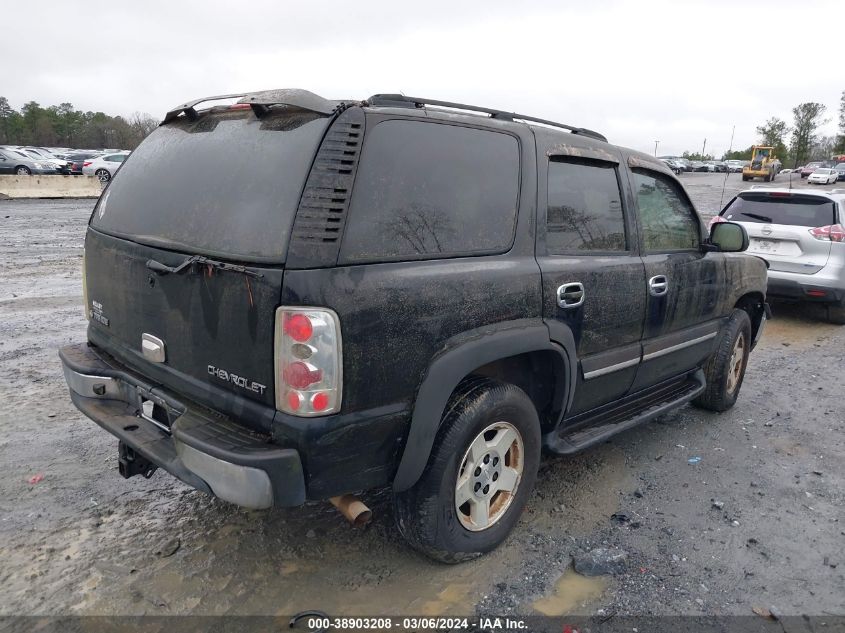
[489, 476]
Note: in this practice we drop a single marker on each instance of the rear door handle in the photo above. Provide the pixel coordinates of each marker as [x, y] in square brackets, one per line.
[658, 286]
[570, 295]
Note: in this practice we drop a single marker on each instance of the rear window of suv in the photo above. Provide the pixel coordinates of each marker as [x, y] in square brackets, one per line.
[225, 185]
[794, 210]
[431, 190]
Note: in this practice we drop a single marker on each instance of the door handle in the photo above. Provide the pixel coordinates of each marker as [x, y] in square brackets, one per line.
[570, 295]
[658, 286]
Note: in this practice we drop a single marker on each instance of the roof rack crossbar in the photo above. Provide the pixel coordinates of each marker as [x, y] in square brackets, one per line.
[418, 102]
[260, 102]
[190, 108]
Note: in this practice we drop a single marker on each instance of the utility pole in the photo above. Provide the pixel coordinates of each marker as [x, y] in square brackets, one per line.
[702, 148]
[655, 147]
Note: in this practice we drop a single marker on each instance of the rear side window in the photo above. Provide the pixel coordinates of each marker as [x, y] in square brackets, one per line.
[794, 210]
[430, 190]
[584, 208]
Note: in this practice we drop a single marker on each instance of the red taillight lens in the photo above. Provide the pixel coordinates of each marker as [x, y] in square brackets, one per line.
[86, 163]
[716, 219]
[832, 233]
[294, 400]
[300, 375]
[308, 361]
[298, 327]
[319, 401]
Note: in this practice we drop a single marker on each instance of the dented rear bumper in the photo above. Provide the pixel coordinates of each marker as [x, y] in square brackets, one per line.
[202, 448]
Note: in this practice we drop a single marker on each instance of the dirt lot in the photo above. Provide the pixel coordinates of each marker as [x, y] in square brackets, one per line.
[84, 541]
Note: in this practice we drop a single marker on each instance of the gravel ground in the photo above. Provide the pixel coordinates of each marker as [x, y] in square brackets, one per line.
[757, 521]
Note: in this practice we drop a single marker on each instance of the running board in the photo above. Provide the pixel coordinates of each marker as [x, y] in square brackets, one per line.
[626, 415]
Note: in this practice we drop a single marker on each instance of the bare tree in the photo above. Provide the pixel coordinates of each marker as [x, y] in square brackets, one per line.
[142, 124]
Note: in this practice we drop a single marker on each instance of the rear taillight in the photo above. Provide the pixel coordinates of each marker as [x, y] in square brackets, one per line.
[716, 219]
[86, 163]
[832, 233]
[308, 361]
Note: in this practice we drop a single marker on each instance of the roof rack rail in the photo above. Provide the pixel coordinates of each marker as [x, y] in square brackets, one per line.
[261, 101]
[401, 101]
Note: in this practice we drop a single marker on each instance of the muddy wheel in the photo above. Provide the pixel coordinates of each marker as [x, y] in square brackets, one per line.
[103, 175]
[725, 369]
[480, 473]
[23, 171]
[836, 312]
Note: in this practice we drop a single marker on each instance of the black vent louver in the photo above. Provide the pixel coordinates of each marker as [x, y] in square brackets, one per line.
[321, 215]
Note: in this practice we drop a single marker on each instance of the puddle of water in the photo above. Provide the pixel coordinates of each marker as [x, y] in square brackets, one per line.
[453, 599]
[572, 593]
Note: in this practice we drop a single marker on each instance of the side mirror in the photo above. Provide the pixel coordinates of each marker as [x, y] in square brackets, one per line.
[730, 237]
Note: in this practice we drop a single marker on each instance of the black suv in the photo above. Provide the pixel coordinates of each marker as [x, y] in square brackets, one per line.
[397, 291]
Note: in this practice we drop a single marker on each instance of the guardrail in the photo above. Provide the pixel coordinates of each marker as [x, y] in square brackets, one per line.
[52, 186]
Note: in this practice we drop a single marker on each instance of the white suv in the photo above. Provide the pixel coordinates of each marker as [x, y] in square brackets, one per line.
[801, 234]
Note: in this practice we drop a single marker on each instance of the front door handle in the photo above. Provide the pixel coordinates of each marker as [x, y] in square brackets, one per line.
[658, 286]
[570, 295]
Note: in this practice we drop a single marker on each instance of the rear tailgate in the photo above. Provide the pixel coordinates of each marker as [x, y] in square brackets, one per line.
[216, 326]
[225, 187]
[779, 227]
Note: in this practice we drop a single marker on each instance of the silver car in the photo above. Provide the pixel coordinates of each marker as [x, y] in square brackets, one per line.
[801, 234]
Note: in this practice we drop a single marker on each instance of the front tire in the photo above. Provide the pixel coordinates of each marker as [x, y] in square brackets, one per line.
[479, 476]
[725, 370]
[23, 171]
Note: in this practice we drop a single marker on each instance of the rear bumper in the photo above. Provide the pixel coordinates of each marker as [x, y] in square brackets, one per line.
[205, 450]
[825, 286]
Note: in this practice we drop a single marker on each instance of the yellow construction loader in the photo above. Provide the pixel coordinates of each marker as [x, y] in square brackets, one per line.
[764, 164]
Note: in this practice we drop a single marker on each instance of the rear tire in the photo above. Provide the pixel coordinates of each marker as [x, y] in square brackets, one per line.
[476, 455]
[23, 171]
[836, 313]
[725, 370]
[103, 175]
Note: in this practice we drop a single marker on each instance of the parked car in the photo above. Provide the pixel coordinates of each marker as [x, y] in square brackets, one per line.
[809, 168]
[674, 165]
[698, 165]
[735, 166]
[716, 166]
[103, 167]
[822, 176]
[840, 171]
[43, 156]
[296, 326]
[13, 161]
[685, 163]
[800, 233]
[77, 160]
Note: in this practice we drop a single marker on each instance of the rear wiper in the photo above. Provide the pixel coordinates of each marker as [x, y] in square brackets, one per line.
[195, 263]
[762, 218]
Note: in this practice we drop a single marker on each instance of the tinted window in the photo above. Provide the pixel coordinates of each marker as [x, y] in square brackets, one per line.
[810, 211]
[227, 184]
[427, 190]
[668, 221]
[585, 208]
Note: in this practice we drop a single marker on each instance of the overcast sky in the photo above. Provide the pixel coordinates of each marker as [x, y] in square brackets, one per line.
[673, 71]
